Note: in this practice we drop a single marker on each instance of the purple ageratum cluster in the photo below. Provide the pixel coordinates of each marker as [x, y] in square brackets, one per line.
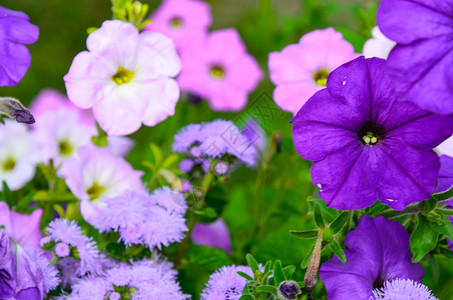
[126, 77]
[97, 174]
[378, 253]
[146, 279]
[219, 69]
[367, 145]
[184, 21]
[215, 140]
[403, 289]
[226, 283]
[85, 257]
[15, 31]
[301, 69]
[154, 220]
[420, 62]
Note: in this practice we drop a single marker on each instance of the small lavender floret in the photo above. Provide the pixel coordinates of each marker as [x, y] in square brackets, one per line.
[403, 289]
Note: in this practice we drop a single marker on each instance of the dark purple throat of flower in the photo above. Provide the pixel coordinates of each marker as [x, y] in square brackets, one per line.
[217, 72]
[371, 133]
[320, 77]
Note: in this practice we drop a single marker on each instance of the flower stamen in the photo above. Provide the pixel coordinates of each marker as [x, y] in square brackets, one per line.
[9, 164]
[320, 77]
[217, 72]
[95, 191]
[122, 76]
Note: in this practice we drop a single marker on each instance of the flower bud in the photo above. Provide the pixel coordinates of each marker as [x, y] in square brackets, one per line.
[288, 289]
[13, 109]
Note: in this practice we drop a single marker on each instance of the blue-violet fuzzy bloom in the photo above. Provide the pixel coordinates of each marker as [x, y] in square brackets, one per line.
[378, 252]
[214, 140]
[403, 289]
[226, 283]
[154, 220]
[421, 61]
[15, 31]
[367, 145]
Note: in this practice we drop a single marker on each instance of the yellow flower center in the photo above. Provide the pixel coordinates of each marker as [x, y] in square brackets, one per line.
[122, 76]
[65, 148]
[95, 191]
[217, 72]
[369, 138]
[320, 77]
[176, 23]
[8, 164]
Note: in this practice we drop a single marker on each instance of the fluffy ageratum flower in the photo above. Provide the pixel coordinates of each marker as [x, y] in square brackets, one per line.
[300, 70]
[154, 220]
[226, 283]
[15, 31]
[20, 276]
[182, 20]
[49, 272]
[378, 252]
[125, 76]
[214, 234]
[403, 289]
[420, 62]
[18, 154]
[214, 140]
[96, 174]
[365, 144]
[219, 69]
[378, 46]
[24, 229]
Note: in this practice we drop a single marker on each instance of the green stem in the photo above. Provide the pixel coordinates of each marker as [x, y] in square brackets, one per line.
[410, 210]
[43, 196]
[445, 211]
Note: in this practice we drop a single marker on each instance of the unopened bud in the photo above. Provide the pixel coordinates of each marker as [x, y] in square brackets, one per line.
[13, 109]
[288, 289]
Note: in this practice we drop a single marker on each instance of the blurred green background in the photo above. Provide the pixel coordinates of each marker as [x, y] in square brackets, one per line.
[266, 26]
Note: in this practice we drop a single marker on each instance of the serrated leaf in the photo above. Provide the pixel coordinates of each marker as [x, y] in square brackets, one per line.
[339, 222]
[304, 234]
[289, 271]
[246, 276]
[318, 217]
[251, 261]
[267, 289]
[336, 249]
[446, 228]
[423, 239]
[279, 276]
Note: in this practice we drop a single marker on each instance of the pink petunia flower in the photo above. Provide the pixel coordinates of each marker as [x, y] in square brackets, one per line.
[214, 234]
[125, 76]
[95, 175]
[182, 20]
[220, 70]
[24, 229]
[300, 70]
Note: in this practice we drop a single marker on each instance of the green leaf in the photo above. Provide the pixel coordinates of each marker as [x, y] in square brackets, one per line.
[445, 227]
[289, 271]
[207, 257]
[267, 289]
[267, 266]
[170, 160]
[336, 248]
[279, 276]
[246, 297]
[423, 239]
[339, 222]
[318, 217]
[444, 196]
[157, 153]
[305, 234]
[306, 260]
[251, 261]
[23, 203]
[7, 195]
[246, 276]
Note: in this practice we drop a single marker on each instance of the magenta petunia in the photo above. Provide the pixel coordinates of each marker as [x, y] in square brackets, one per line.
[214, 234]
[15, 31]
[125, 76]
[378, 253]
[365, 144]
[300, 70]
[421, 61]
[182, 20]
[219, 69]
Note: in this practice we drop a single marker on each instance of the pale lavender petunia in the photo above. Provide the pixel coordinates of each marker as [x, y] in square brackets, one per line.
[219, 69]
[421, 61]
[365, 144]
[15, 31]
[23, 228]
[378, 46]
[214, 234]
[378, 252]
[300, 70]
[126, 77]
[95, 175]
[182, 20]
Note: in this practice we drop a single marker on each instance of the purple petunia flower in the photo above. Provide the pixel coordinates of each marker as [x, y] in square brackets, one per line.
[15, 31]
[421, 61]
[215, 234]
[226, 283]
[378, 253]
[365, 144]
[445, 174]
